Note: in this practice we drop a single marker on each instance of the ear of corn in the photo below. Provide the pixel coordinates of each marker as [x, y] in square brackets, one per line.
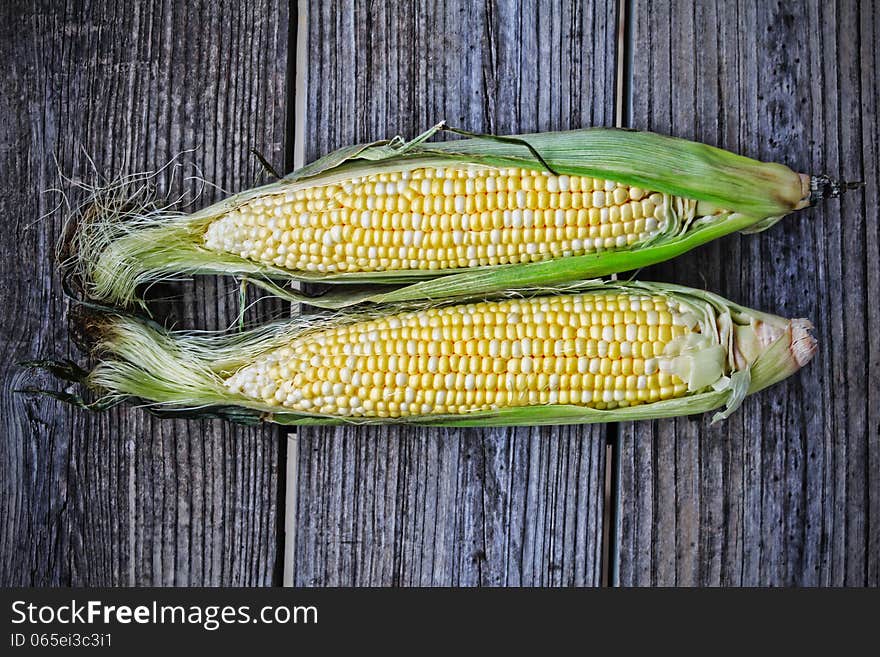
[469, 216]
[593, 352]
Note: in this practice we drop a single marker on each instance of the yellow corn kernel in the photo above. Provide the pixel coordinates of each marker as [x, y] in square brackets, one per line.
[466, 358]
[395, 217]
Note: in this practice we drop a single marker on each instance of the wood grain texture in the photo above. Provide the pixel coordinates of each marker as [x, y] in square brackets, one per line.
[787, 491]
[396, 506]
[121, 498]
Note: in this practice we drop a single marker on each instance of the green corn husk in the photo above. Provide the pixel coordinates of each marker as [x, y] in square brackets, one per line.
[184, 373]
[120, 245]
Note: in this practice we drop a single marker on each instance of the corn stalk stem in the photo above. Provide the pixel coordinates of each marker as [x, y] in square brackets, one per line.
[822, 187]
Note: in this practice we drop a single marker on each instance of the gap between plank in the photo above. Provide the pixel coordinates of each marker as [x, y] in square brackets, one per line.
[623, 65]
[296, 133]
[622, 118]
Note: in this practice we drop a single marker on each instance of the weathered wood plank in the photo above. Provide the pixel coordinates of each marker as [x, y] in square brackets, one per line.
[395, 506]
[787, 491]
[122, 498]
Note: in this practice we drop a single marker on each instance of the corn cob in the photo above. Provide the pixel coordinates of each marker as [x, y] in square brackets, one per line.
[438, 219]
[597, 352]
[478, 216]
[600, 350]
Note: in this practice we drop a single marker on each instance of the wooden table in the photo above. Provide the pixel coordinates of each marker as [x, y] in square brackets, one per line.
[787, 491]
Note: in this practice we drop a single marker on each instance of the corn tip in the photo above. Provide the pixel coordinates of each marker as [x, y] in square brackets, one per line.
[803, 344]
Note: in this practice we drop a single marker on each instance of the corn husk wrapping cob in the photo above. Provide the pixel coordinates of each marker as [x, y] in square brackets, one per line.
[471, 216]
[584, 353]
